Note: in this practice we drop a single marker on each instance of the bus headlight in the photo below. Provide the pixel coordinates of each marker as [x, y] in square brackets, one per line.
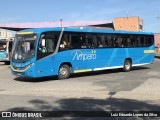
[28, 66]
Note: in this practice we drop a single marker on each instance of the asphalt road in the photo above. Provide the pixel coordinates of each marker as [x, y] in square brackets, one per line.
[110, 90]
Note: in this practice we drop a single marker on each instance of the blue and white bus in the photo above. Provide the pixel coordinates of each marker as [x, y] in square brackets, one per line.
[61, 51]
[5, 50]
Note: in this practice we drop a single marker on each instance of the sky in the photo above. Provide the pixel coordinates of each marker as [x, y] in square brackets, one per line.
[20, 11]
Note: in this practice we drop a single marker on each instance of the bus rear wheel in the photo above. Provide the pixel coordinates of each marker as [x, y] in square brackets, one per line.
[64, 72]
[127, 65]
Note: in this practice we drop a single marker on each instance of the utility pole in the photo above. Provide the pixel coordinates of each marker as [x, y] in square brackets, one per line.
[126, 14]
[61, 21]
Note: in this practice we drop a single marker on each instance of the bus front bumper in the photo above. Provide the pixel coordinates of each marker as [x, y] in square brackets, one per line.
[4, 59]
[26, 71]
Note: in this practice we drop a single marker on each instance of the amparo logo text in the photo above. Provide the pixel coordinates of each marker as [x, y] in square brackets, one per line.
[79, 55]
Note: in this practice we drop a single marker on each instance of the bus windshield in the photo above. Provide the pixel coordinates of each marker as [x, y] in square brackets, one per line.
[24, 47]
[3, 46]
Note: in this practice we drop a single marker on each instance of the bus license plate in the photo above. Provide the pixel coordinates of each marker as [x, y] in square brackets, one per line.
[18, 75]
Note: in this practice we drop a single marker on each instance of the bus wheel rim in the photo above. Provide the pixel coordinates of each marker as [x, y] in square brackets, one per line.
[63, 71]
[127, 65]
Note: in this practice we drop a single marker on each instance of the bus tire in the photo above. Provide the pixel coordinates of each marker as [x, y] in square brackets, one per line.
[64, 72]
[127, 65]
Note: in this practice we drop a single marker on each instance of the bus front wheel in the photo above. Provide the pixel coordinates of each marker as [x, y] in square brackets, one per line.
[127, 65]
[64, 72]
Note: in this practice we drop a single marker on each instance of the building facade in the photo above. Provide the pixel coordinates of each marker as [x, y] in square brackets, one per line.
[157, 39]
[129, 24]
[5, 34]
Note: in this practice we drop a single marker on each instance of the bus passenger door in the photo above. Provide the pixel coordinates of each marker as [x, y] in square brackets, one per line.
[45, 59]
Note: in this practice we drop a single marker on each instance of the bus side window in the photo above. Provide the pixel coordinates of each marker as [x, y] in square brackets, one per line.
[65, 42]
[108, 41]
[75, 41]
[100, 41]
[91, 41]
[142, 39]
[128, 42]
[150, 40]
[115, 41]
[138, 41]
[120, 41]
[83, 42]
[47, 44]
[50, 45]
[133, 41]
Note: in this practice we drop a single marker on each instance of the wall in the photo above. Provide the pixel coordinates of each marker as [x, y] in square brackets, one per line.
[157, 39]
[128, 23]
[5, 34]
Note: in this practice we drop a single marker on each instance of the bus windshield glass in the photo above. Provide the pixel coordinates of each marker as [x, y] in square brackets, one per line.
[3, 46]
[24, 47]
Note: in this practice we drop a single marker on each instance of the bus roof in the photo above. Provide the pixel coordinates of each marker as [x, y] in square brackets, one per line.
[84, 29]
